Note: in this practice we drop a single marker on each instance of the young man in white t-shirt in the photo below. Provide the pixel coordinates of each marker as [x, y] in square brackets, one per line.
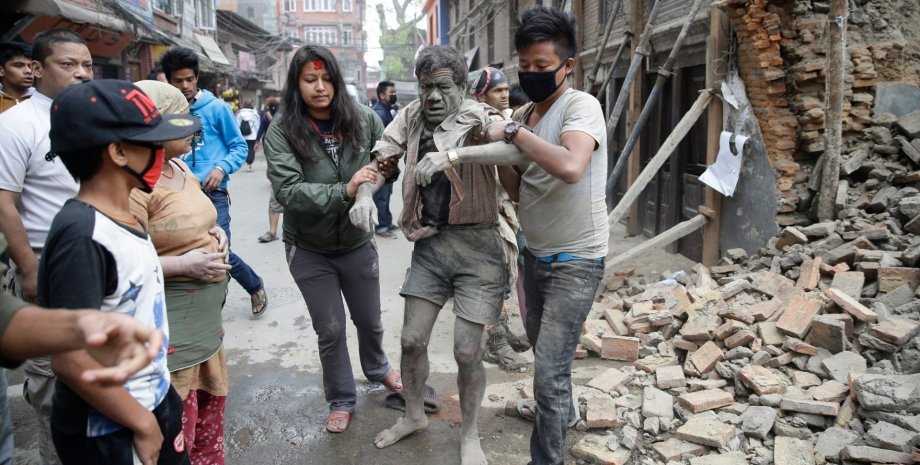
[559, 146]
[33, 189]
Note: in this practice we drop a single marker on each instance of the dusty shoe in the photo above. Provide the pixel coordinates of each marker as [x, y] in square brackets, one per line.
[267, 237]
[501, 354]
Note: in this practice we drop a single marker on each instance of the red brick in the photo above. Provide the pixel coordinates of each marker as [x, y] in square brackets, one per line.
[814, 407]
[706, 357]
[830, 391]
[850, 305]
[891, 278]
[796, 318]
[800, 346]
[743, 337]
[707, 432]
[670, 377]
[809, 274]
[602, 413]
[620, 348]
[701, 401]
[675, 450]
[761, 380]
[609, 380]
[771, 283]
[895, 330]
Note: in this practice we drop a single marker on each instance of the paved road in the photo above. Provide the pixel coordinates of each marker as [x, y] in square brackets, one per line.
[275, 410]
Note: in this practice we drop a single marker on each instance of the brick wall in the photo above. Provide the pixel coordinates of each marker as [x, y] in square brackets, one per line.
[782, 55]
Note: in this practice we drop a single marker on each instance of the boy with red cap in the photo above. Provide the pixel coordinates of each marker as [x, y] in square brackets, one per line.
[109, 135]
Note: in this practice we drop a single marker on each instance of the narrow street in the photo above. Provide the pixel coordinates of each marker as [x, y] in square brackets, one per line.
[276, 410]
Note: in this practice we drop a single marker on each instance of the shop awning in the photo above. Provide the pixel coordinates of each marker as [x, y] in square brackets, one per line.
[471, 55]
[212, 50]
[105, 33]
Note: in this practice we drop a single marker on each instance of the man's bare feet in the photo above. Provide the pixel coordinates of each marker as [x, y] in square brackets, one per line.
[401, 429]
[471, 452]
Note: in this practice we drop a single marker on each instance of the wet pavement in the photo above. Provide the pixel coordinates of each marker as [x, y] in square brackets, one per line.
[276, 412]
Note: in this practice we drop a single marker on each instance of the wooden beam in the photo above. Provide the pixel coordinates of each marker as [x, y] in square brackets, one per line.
[676, 233]
[667, 148]
[716, 47]
[833, 111]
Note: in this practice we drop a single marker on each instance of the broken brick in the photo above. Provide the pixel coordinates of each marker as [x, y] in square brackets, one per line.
[809, 274]
[829, 333]
[761, 380]
[743, 337]
[895, 330]
[706, 357]
[799, 346]
[814, 407]
[609, 380]
[620, 348]
[670, 377]
[797, 316]
[675, 450]
[850, 305]
[602, 413]
[769, 283]
[705, 431]
[701, 401]
[830, 391]
[790, 236]
[792, 451]
[890, 278]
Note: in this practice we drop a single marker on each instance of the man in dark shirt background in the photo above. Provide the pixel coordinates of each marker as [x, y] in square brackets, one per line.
[385, 108]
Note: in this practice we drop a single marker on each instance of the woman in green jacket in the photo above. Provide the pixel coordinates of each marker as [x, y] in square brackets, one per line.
[318, 151]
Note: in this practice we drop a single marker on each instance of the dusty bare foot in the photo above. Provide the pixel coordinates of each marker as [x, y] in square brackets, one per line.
[401, 429]
[471, 452]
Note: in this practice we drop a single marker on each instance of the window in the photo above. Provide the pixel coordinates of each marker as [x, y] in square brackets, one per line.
[170, 7]
[319, 5]
[346, 36]
[250, 12]
[204, 14]
[289, 5]
[321, 35]
[346, 5]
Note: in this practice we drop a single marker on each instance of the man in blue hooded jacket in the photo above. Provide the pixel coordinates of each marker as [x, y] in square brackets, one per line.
[218, 150]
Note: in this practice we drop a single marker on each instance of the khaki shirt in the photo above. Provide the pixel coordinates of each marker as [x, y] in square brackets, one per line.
[473, 199]
[7, 102]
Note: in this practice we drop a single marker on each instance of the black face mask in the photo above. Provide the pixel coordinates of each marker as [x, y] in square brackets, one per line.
[393, 99]
[539, 85]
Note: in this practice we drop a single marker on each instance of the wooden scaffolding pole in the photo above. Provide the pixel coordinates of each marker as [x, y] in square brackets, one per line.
[715, 71]
[677, 232]
[833, 113]
[667, 148]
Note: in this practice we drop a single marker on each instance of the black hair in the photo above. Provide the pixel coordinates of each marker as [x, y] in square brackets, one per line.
[435, 57]
[516, 96]
[10, 50]
[543, 24]
[83, 163]
[383, 85]
[179, 58]
[43, 43]
[347, 119]
[152, 75]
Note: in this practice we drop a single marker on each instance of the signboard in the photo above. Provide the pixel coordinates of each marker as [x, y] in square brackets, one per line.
[102, 42]
[142, 9]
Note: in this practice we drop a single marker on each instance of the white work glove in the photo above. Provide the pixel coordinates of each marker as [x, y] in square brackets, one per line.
[432, 163]
[363, 213]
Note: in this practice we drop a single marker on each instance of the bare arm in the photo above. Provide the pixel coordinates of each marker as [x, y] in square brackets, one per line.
[511, 181]
[18, 243]
[117, 341]
[197, 264]
[113, 402]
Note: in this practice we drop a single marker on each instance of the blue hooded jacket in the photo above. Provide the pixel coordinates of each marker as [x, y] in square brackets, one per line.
[219, 142]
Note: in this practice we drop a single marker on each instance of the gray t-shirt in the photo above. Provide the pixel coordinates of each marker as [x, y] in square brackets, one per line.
[556, 216]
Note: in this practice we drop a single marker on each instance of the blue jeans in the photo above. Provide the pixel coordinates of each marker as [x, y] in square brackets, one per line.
[7, 450]
[239, 270]
[558, 299]
[382, 201]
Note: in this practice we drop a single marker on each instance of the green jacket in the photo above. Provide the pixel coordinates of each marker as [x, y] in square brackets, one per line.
[313, 193]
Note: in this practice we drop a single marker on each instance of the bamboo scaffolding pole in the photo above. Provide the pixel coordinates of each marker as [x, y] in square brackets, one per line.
[664, 73]
[592, 75]
[634, 65]
[613, 64]
[667, 148]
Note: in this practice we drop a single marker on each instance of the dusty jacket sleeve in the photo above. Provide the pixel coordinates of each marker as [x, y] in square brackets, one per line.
[237, 150]
[393, 141]
[286, 174]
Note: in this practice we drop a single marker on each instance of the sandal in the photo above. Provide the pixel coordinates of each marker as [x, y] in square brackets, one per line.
[267, 237]
[393, 381]
[337, 421]
[259, 302]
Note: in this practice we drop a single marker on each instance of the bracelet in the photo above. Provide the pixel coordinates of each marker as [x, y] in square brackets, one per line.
[218, 167]
[454, 158]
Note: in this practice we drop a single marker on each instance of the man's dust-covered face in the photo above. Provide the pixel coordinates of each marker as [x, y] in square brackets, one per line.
[439, 94]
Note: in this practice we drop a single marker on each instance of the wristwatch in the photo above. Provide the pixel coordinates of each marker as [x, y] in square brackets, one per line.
[511, 129]
[453, 158]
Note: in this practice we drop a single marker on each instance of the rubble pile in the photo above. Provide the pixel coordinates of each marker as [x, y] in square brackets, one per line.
[806, 353]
